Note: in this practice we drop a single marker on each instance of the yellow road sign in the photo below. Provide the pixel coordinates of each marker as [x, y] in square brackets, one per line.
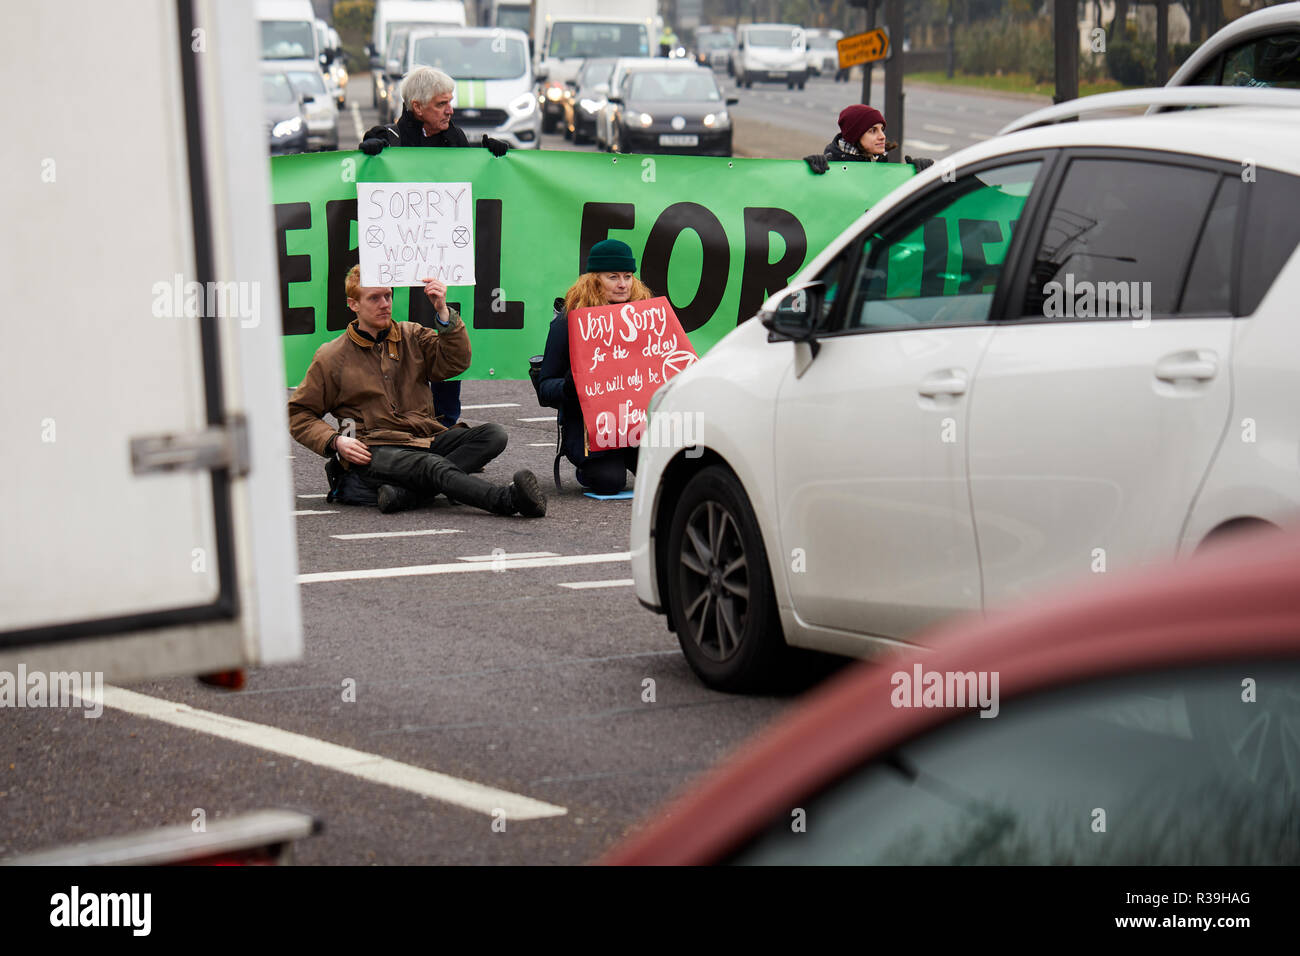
[864, 48]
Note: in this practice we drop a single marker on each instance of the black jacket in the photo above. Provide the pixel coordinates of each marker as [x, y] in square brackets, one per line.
[556, 389]
[409, 131]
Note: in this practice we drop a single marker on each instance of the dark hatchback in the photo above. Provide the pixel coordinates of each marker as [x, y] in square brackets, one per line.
[672, 111]
[584, 98]
[282, 116]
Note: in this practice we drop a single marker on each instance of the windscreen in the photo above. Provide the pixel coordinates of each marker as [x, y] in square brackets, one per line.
[513, 18]
[773, 36]
[309, 82]
[571, 39]
[276, 89]
[673, 86]
[472, 57]
[288, 40]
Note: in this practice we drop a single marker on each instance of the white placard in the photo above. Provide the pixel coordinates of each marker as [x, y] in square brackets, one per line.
[409, 232]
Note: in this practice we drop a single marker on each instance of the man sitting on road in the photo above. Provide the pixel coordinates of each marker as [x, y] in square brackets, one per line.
[374, 379]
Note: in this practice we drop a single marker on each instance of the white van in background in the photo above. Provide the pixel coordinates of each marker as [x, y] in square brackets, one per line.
[771, 52]
[391, 15]
[288, 29]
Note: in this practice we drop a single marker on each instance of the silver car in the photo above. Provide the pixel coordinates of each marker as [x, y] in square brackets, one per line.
[319, 107]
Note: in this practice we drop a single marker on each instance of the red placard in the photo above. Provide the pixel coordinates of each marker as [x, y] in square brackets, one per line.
[620, 354]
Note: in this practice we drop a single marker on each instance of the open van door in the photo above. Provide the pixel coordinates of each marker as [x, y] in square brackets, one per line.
[145, 499]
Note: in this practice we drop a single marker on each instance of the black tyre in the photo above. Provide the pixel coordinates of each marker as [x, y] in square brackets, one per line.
[549, 123]
[719, 593]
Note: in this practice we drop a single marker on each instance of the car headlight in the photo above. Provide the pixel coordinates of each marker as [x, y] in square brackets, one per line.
[592, 106]
[286, 127]
[646, 119]
[718, 120]
[523, 105]
[554, 93]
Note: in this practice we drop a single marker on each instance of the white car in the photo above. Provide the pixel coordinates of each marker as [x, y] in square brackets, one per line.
[822, 55]
[1259, 49]
[1060, 353]
[770, 53]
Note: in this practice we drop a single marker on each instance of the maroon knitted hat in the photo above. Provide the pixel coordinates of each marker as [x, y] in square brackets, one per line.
[857, 119]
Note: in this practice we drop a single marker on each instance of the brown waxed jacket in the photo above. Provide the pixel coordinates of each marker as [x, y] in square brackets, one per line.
[382, 386]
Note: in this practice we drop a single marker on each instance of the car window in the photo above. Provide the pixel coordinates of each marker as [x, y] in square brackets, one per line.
[938, 263]
[472, 57]
[276, 88]
[1209, 283]
[1271, 235]
[1265, 61]
[676, 86]
[1118, 240]
[1209, 74]
[307, 83]
[1192, 767]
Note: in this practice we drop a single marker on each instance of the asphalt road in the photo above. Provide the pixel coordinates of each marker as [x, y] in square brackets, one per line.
[504, 678]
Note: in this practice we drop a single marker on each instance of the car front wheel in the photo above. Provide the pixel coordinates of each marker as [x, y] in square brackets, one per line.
[719, 595]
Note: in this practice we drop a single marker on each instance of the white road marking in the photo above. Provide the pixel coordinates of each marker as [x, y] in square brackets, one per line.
[395, 534]
[313, 496]
[356, 121]
[978, 136]
[582, 585]
[357, 763]
[922, 144]
[466, 408]
[544, 418]
[504, 557]
[315, 512]
[518, 564]
[541, 444]
[938, 129]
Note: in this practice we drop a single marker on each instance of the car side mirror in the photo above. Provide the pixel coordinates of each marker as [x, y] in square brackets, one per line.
[733, 100]
[795, 317]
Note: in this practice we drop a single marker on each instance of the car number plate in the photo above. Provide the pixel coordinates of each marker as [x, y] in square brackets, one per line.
[670, 139]
[780, 75]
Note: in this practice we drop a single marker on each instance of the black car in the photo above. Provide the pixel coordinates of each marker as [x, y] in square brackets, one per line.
[282, 112]
[584, 98]
[672, 111]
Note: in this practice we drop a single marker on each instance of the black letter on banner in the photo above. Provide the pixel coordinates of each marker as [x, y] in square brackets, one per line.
[761, 278]
[934, 256]
[598, 218]
[420, 310]
[974, 263]
[293, 215]
[340, 214]
[487, 270]
[675, 220]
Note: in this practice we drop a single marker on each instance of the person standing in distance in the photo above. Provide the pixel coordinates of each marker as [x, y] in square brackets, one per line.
[426, 121]
[861, 140]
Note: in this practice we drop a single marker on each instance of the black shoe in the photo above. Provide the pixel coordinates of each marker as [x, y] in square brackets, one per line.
[394, 498]
[334, 475]
[526, 495]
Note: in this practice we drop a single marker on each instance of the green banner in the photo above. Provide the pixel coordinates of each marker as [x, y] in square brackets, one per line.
[716, 236]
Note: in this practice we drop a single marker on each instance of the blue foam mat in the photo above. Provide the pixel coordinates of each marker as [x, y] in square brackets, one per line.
[621, 496]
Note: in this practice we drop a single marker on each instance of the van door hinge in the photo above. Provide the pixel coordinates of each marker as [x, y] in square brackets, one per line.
[218, 446]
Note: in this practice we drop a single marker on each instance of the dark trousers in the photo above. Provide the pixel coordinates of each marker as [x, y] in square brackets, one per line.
[426, 470]
[446, 402]
[605, 472]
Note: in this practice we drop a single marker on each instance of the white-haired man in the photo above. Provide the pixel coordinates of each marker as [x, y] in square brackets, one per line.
[426, 117]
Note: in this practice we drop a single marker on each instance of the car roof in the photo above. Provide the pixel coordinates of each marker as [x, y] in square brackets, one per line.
[1261, 22]
[1236, 601]
[455, 31]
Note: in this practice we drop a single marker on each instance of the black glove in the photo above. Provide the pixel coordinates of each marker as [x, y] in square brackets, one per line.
[817, 163]
[570, 390]
[495, 146]
[920, 163]
[372, 147]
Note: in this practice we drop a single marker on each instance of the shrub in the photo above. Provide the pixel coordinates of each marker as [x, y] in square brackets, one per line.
[1131, 61]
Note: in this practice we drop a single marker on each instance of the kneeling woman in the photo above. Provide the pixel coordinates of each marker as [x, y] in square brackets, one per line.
[610, 279]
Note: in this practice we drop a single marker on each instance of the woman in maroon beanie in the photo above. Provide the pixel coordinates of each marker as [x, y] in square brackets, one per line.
[861, 140]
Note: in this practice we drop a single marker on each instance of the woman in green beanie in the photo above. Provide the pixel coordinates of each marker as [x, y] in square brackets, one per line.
[610, 279]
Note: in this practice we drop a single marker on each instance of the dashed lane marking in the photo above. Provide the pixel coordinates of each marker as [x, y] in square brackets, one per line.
[922, 144]
[505, 557]
[416, 570]
[544, 418]
[395, 534]
[466, 408]
[583, 585]
[357, 763]
[310, 512]
[929, 127]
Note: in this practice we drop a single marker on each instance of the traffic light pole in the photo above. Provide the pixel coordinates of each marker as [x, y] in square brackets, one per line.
[894, 19]
[867, 67]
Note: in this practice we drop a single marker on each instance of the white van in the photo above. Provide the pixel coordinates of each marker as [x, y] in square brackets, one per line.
[391, 15]
[288, 29]
[771, 52]
[494, 80]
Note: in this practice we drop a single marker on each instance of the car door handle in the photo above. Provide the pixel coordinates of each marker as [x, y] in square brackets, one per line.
[1200, 366]
[951, 381]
